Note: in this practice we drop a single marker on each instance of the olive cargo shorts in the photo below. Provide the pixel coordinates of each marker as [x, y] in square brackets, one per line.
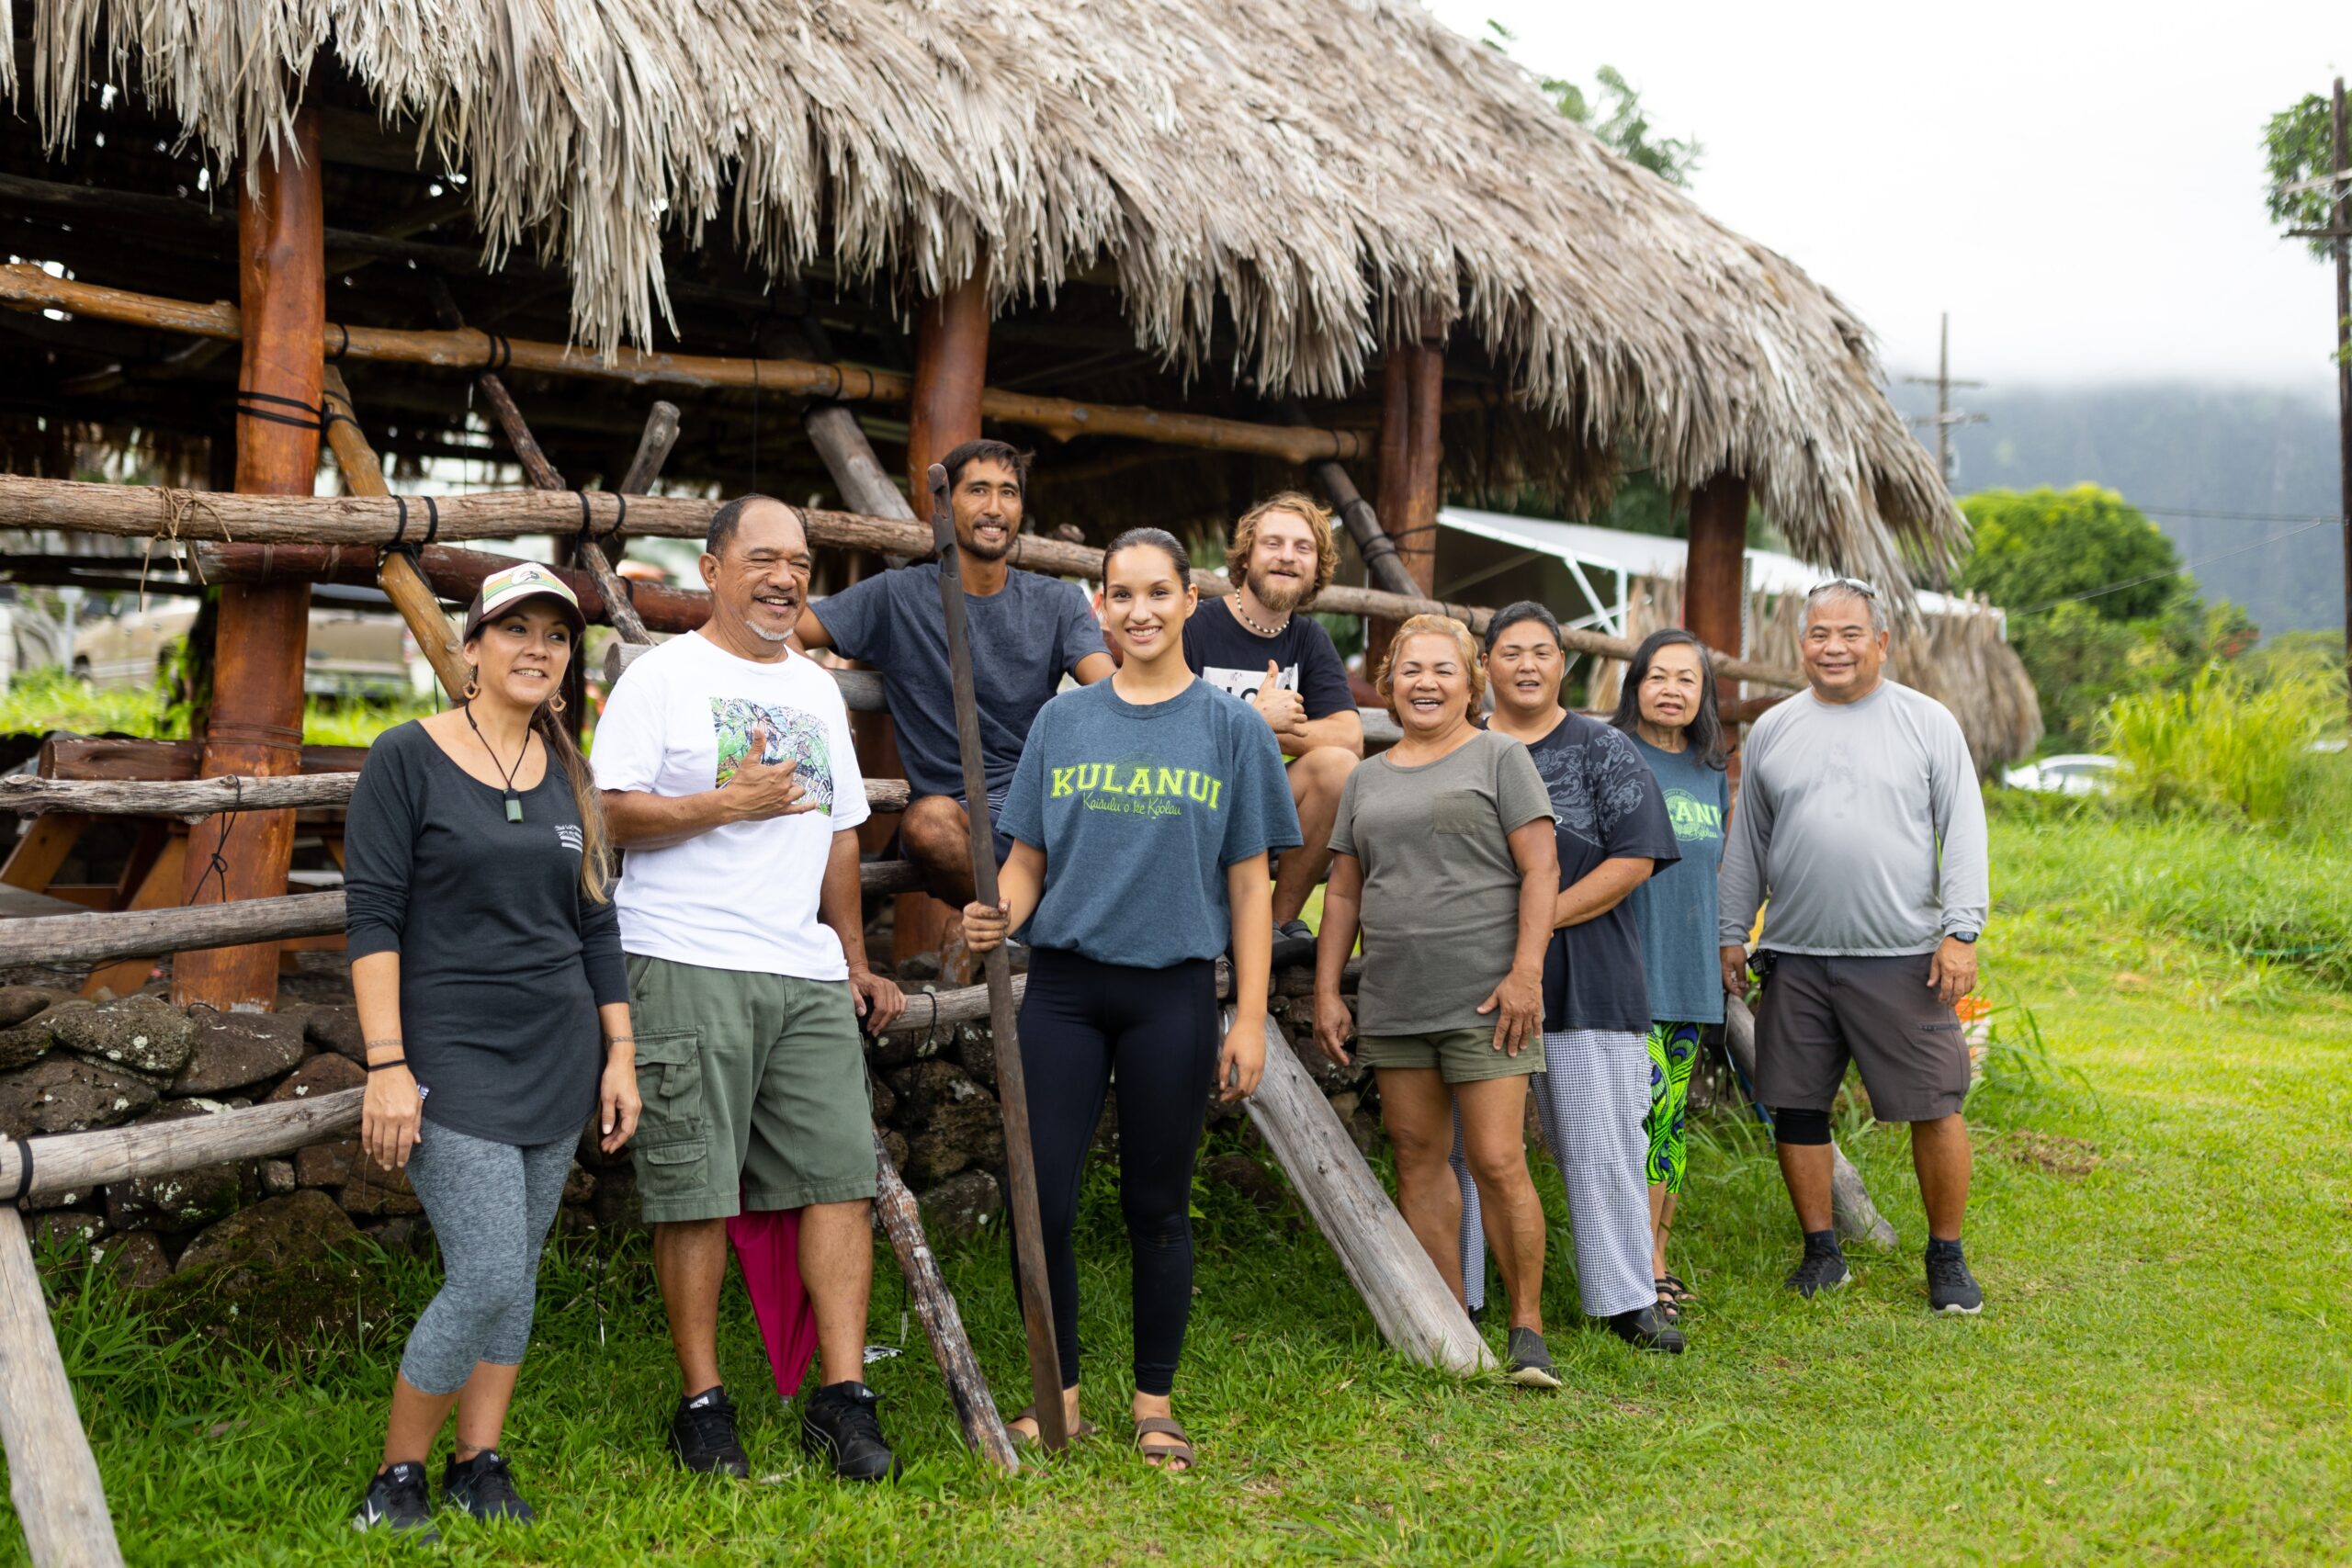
[754, 1090]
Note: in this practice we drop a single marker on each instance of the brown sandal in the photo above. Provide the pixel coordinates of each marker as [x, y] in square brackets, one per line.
[1085, 1428]
[1178, 1453]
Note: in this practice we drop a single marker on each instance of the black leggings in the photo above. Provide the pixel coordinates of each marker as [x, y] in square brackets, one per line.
[1157, 1030]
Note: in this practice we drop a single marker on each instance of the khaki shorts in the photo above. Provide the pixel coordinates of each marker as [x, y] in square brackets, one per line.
[1819, 1012]
[754, 1090]
[1459, 1056]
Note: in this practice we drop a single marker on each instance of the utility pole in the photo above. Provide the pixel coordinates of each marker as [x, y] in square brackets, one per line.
[2340, 221]
[1944, 419]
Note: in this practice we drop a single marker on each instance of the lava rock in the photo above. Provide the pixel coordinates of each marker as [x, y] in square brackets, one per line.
[136, 1260]
[232, 1050]
[70, 1230]
[336, 1029]
[143, 1033]
[962, 1207]
[277, 1176]
[323, 1074]
[326, 1165]
[177, 1199]
[1252, 1180]
[18, 1003]
[956, 1121]
[25, 1042]
[272, 1232]
[65, 1094]
[884, 1098]
[371, 1190]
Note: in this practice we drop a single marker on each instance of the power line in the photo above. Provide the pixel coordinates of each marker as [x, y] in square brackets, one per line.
[2236, 516]
[2185, 566]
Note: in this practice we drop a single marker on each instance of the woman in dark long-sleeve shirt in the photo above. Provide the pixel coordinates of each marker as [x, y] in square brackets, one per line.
[486, 963]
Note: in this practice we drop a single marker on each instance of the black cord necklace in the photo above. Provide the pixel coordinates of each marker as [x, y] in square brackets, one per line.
[513, 801]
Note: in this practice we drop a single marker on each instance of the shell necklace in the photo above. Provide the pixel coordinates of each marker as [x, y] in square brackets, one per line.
[1243, 616]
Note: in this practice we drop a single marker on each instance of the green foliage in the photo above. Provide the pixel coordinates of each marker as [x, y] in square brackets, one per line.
[1613, 110]
[2297, 145]
[2098, 603]
[2034, 548]
[42, 700]
[2220, 743]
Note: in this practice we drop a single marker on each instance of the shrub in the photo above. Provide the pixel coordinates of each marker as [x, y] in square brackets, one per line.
[2223, 743]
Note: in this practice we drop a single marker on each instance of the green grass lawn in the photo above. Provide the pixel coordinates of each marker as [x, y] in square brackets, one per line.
[2160, 1374]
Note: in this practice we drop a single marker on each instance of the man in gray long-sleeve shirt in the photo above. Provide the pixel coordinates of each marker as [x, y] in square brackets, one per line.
[1858, 817]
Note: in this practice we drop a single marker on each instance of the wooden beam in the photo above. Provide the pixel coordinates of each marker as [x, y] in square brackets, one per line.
[52, 1476]
[190, 517]
[1416, 1314]
[469, 350]
[123, 757]
[33, 863]
[1715, 576]
[196, 798]
[396, 574]
[255, 725]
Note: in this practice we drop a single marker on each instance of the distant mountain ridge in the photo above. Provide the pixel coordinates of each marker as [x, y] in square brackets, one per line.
[2195, 449]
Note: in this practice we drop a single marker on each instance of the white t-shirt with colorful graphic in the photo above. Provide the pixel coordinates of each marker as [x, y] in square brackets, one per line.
[744, 895]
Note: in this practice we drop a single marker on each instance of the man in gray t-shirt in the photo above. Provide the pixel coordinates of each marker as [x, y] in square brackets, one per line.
[1858, 817]
[1028, 631]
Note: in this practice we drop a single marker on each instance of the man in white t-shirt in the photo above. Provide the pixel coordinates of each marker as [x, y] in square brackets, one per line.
[729, 779]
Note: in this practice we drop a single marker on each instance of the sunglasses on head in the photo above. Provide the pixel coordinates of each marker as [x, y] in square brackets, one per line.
[1853, 584]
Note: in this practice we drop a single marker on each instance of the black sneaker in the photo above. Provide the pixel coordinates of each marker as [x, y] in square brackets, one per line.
[396, 1502]
[1646, 1328]
[484, 1487]
[1294, 943]
[702, 1435]
[1823, 1268]
[838, 1423]
[1530, 1363]
[1950, 1287]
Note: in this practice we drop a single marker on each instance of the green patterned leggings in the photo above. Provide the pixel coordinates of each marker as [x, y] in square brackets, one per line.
[1674, 1050]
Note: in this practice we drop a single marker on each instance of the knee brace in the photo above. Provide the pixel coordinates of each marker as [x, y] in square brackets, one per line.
[1800, 1127]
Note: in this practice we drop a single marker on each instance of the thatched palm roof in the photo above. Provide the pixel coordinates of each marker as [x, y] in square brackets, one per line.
[1318, 172]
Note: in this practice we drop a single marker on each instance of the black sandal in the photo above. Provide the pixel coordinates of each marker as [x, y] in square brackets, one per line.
[1667, 1308]
[1682, 1294]
[1176, 1456]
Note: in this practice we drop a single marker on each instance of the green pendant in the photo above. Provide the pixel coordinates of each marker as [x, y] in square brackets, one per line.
[514, 808]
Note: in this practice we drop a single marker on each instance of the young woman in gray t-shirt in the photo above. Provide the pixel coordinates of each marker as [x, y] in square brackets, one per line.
[1443, 859]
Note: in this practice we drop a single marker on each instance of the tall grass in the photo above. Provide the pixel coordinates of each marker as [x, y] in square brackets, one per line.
[44, 700]
[2224, 743]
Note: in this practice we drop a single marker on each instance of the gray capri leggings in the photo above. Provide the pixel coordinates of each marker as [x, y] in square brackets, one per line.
[490, 1205]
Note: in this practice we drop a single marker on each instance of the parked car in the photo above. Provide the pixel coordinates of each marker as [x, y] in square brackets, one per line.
[350, 653]
[2074, 773]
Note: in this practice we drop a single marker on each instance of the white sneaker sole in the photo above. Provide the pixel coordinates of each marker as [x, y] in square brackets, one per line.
[1955, 1310]
[1533, 1377]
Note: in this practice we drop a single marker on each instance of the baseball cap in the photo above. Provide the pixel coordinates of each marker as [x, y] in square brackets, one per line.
[502, 591]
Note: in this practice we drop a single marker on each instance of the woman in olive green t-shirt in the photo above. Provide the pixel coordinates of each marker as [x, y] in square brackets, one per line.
[1443, 857]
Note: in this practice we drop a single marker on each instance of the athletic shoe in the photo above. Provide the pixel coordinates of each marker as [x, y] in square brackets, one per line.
[1530, 1364]
[484, 1487]
[1823, 1268]
[1294, 943]
[1646, 1328]
[396, 1502]
[702, 1435]
[838, 1423]
[1950, 1287]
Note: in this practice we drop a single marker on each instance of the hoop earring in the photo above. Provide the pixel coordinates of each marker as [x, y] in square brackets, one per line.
[473, 686]
[555, 704]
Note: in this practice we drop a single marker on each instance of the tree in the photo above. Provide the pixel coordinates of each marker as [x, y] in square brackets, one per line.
[1612, 112]
[2299, 144]
[2097, 601]
[2041, 546]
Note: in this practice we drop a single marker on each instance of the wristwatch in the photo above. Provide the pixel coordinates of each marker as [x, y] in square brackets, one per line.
[1968, 937]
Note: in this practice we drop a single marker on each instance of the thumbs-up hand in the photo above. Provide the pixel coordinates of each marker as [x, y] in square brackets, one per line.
[1283, 710]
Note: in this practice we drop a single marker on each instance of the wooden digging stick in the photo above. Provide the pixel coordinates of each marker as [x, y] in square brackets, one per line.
[1012, 1093]
[52, 1476]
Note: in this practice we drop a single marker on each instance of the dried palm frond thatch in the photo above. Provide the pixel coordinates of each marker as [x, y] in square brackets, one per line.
[1302, 179]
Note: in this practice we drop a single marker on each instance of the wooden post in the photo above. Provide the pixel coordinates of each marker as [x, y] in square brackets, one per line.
[1011, 1086]
[951, 372]
[256, 722]
[935, 1304]
[1416, 1314]
[1715, 576]
[52, 1477]
[1412, 392]
[396, 574]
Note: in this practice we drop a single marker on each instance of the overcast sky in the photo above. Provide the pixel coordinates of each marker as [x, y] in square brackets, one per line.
[2079, 183]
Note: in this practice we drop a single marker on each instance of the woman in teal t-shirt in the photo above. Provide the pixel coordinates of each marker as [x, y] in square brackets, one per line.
[1142, 813]
[1667, 706]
